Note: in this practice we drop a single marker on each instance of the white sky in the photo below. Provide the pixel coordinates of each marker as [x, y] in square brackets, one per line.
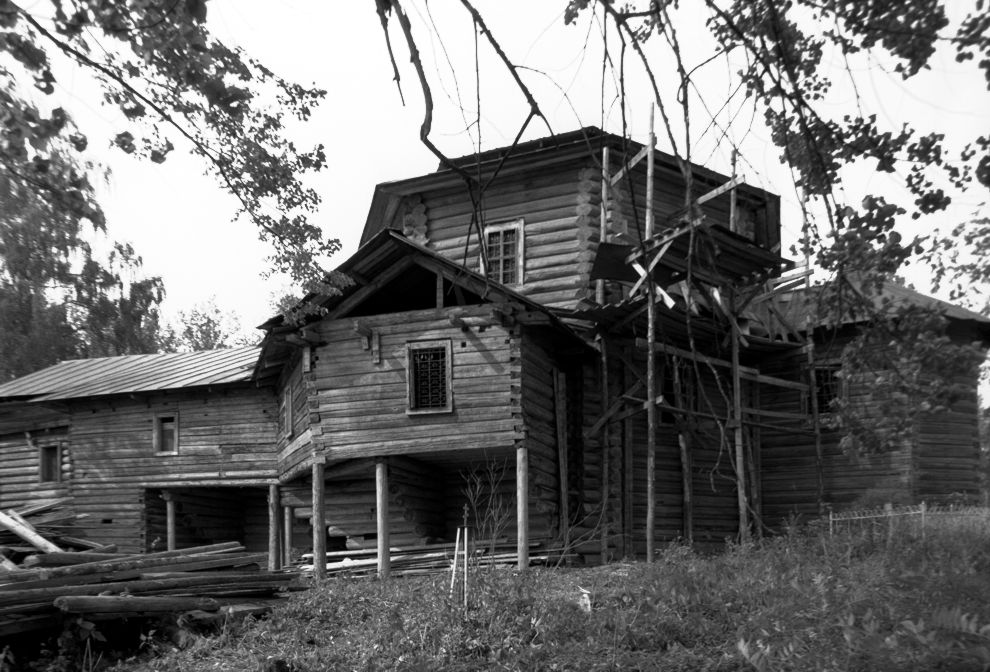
[179, 219]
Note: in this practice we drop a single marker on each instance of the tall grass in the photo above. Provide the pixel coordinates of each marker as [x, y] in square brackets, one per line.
[800, 601]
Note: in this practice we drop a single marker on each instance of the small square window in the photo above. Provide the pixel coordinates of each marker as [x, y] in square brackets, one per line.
[50, 464]
[428, 377]
[504, 249]
[166, 434]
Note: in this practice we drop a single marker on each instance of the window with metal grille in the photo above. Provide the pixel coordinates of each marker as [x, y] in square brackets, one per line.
[828, 387]
[429, 377]
[504, 248]
[50, 466]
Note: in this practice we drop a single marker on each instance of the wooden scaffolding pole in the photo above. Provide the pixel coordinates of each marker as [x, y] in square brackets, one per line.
[737, 433]
[651, 388]
[319, 521]
[684, 445]
[381, 518]
[603, 223]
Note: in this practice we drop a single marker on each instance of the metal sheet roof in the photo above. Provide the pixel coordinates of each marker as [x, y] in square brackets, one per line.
[100, 376]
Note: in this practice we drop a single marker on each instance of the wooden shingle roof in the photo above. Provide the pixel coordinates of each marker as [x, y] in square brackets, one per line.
[126, 374]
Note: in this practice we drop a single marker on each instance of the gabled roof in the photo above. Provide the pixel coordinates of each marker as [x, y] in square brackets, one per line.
[543, 153]
[381, 260]
[101, 376]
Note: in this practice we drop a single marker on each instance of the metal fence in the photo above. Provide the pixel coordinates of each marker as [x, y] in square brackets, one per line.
[889, 521]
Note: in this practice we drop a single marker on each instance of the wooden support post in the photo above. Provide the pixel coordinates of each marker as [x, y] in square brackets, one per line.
[815, 422]
[560, 413]
[319, 521]
[287, 522]
[737, 433]
[603, 225]
[733, 220]
[628, 488]
[606, 453]
[381, 518]
[169, 520]
[274, 528]
[755, 466]
[651, 383]
[522, 505]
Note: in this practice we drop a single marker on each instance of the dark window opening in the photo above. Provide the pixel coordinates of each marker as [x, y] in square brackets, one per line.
[51, 464]
[166, 438]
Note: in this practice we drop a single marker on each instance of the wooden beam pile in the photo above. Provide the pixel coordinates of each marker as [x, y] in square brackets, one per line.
[428, 559]
[105, 585]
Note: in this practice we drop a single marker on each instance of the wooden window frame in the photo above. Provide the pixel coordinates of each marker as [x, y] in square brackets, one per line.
[412, 346]
[156, 433]
[518, 225]
[839, 390]
[57, 470]
[285, 415]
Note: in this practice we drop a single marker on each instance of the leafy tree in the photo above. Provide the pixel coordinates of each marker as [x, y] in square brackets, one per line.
[206, 327]
[60, 300]
[170, 80]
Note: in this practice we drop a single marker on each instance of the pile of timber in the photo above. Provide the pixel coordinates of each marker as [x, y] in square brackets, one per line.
[49, 519]
[207, 582]
[431, 558]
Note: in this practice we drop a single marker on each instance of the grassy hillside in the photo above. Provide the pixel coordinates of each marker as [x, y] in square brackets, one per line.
[803, 601]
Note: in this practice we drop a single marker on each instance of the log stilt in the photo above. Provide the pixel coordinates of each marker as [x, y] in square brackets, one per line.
[319, 522]
[274, 531]
[169, 520]
[522, 505]
[287, 521]
[381, 517]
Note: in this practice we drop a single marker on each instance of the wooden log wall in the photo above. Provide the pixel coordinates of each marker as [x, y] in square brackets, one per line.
[362, 402]
[790, 463]
[224, 435]
[20, 468]
[560, 219]
[295, 444]
[208, 516]
[947, 459]
[420, 510]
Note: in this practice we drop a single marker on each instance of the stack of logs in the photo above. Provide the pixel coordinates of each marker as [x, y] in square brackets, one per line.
[209, 583]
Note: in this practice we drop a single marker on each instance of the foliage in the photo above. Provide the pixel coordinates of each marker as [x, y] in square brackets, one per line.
[59, 298]
[801, 601]
[901, 367]
[205, 326]
[169, 79]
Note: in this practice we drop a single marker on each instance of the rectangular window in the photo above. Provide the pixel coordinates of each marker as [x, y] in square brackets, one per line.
[428, 377]
[50, 466]
[504, 248]
[285, 412]
[828, 386]
[166, 434]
